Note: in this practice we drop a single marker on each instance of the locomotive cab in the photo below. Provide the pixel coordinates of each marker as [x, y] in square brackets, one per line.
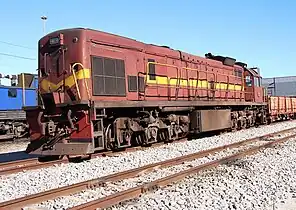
[253, 90]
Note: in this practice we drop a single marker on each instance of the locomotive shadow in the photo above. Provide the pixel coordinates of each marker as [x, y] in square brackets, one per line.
[13, 156]
[200, 136]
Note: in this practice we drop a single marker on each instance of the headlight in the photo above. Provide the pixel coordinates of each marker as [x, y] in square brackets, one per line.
[54, 41]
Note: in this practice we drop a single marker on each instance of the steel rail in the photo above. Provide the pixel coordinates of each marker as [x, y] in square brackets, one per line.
[134, 192]
[30, 166]
[17, 163]
[51, 194]
[33, 163]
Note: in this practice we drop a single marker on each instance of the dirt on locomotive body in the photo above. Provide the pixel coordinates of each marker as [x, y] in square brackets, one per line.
[100, 91]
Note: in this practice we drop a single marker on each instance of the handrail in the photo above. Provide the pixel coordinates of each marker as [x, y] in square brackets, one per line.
[85, 83]
[75, 79]
[196, 88]
[76, 83]
[199, 70]
[168, 78]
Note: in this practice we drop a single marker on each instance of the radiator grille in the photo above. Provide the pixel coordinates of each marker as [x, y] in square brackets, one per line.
[108, 76]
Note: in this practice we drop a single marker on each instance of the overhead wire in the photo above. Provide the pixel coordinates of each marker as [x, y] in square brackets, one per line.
[17, 45]
[17, 56]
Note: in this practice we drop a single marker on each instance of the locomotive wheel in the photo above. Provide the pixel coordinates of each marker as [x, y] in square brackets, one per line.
[243, 124]
[137, 140]
[109, 141]
[163, 136]
[50, 158]
[234, 125]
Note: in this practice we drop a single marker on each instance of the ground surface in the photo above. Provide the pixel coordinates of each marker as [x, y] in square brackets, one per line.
[256, 182]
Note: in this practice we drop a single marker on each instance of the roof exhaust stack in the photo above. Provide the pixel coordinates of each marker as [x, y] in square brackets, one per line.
[256, 69]
[225, 60]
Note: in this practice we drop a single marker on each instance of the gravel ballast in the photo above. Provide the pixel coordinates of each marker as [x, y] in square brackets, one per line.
[111, 188]
[21, 184]
[265, 180]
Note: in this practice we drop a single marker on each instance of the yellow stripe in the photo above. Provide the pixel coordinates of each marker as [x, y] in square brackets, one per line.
[160, 80]
[69, 81]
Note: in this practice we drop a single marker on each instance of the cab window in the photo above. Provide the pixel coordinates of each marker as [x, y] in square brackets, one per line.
[257, 82]
[12, 93]
[248, 81]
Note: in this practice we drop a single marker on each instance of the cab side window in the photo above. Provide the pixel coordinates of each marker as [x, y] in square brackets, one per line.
[248, 81]
[12, 93]
[257, 82]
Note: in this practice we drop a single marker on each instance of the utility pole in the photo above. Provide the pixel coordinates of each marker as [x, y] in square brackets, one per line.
[44, 18]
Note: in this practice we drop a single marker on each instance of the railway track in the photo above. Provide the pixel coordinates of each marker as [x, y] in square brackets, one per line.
[33, 163]
[28, 164]
[235, 150]
[11, 167]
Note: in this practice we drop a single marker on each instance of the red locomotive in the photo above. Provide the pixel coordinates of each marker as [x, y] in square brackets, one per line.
[99, 91]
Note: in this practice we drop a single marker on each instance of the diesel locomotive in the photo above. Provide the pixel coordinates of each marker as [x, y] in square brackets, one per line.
[99, 91]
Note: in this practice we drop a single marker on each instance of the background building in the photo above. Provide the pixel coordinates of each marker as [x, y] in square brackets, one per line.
[280, 86]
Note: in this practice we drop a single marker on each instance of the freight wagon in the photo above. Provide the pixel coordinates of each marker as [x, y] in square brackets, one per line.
[281, 108]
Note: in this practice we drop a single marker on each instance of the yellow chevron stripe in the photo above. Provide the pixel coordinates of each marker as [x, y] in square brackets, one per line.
[69, 81]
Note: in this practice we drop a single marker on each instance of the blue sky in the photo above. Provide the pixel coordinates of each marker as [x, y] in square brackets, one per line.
[260, 33]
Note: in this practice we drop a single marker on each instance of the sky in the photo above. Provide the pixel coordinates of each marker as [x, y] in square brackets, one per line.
[259, 33]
